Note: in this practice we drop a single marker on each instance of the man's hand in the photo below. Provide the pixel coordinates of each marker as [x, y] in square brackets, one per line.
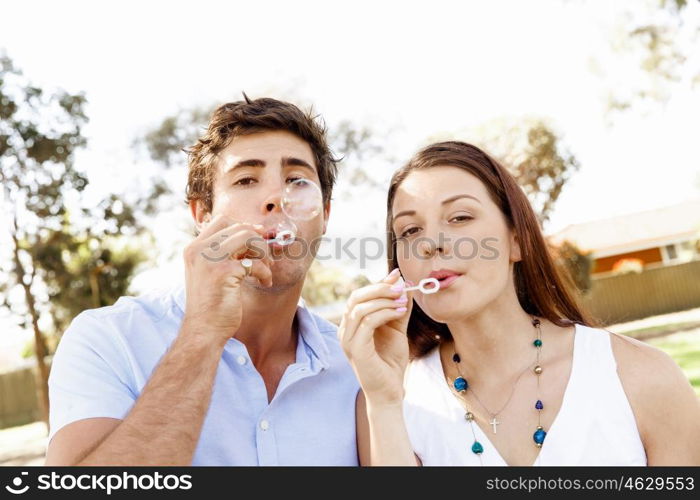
[214, 274]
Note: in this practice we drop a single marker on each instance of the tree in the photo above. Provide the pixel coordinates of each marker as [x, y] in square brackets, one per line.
[64, 256]
[326, 285]
[533, 152]
[653, 41]
[575, 264]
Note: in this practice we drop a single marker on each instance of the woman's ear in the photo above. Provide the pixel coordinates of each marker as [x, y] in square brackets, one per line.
[515, 250]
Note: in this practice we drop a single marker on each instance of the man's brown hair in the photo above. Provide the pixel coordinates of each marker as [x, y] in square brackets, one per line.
[245, 117]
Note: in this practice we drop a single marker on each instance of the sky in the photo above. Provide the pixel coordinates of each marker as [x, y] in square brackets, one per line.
[414, 69]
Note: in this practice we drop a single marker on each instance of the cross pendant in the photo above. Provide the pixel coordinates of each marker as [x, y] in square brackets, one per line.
[494, 423]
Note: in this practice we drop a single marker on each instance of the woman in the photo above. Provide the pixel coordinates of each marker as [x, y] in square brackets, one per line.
[505, 368]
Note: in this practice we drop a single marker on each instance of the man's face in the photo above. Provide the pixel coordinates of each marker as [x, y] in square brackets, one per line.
[251, 176]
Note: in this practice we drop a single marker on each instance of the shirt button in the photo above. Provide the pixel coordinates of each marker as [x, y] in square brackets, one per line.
[241, 360]
[264, 425]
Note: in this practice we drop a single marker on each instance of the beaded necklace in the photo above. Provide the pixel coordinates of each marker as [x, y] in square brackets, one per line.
[461, 385]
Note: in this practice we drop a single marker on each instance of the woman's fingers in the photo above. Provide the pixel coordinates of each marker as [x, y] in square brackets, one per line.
[364, 303]
[402, 321]
[362, 341]
[358, 313]
[376, 291]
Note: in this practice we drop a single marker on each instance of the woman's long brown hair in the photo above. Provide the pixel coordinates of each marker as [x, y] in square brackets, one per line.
[541, 288]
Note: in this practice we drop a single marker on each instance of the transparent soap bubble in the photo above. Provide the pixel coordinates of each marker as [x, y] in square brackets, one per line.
[286, 233]
[302, 200]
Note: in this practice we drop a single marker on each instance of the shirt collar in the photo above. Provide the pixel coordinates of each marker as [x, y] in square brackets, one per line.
[309, 332]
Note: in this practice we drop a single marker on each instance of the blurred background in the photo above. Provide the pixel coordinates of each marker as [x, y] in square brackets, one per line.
[594, 106]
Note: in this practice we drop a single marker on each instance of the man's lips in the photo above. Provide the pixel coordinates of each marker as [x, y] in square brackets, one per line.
[445, 276]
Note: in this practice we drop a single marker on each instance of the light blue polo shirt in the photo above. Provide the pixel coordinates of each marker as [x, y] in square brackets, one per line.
[107, 355]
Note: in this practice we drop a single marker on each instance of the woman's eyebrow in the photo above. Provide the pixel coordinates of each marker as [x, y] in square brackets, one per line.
[404, 213]
[444, 202]
[459, 196]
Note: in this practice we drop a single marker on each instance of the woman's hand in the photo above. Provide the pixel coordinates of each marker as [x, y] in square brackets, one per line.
[373, 335]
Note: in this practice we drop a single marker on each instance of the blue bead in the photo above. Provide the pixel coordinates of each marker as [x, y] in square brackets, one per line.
[539, 405]
[539, 436]
[460, 384]
[477, 448]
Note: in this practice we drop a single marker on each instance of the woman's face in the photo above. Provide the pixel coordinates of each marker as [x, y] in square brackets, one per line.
[446, 224]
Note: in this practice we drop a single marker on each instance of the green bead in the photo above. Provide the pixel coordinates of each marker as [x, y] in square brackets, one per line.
[538, 343]
[477, 448]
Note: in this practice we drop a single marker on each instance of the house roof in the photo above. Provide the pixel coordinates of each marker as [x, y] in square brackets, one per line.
[634, 231]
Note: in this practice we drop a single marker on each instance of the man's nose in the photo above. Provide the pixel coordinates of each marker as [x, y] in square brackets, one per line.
[273, 202]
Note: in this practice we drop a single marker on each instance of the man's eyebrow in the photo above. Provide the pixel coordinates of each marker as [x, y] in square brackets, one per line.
[246, 163]
[287, 161]
[291, 161]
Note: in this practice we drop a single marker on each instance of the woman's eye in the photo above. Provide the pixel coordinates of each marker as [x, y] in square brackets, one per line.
[246, 181]
[408, 232]
[461, 218]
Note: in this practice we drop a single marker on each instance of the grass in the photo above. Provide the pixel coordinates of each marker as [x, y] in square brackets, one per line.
[661, 330]
[684, 348]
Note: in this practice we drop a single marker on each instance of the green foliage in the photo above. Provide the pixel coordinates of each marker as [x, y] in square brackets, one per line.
[532, 151]
[656, 37]
[65, 256]
[577, 265]
[165, 143]
[325, 285]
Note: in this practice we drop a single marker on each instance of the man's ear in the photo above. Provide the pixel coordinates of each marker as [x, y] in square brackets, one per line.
[326, 215]
[515, 250]
[200, 214]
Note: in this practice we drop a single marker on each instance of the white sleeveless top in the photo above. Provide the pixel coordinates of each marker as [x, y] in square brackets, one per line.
[595, 425]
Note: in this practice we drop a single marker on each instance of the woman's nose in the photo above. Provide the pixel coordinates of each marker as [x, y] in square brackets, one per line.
[429, 247]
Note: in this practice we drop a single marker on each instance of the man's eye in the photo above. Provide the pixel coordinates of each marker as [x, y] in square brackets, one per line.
[292, 179]
[244, 182]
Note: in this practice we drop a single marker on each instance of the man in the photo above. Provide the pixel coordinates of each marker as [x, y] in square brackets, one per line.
[230, 369]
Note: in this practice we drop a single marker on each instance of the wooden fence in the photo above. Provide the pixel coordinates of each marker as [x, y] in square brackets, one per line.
[18, 399]
[631, 296]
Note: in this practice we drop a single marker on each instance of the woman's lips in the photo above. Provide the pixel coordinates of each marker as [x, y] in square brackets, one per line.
[445, 276]
[446, 282]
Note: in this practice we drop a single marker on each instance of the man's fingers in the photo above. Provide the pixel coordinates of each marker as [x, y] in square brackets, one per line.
[223, 227]
[245, 243]
[259, 270]
[215, 225]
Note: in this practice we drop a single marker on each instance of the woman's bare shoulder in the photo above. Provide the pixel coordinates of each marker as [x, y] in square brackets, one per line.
[662, 399]
[643, 367]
